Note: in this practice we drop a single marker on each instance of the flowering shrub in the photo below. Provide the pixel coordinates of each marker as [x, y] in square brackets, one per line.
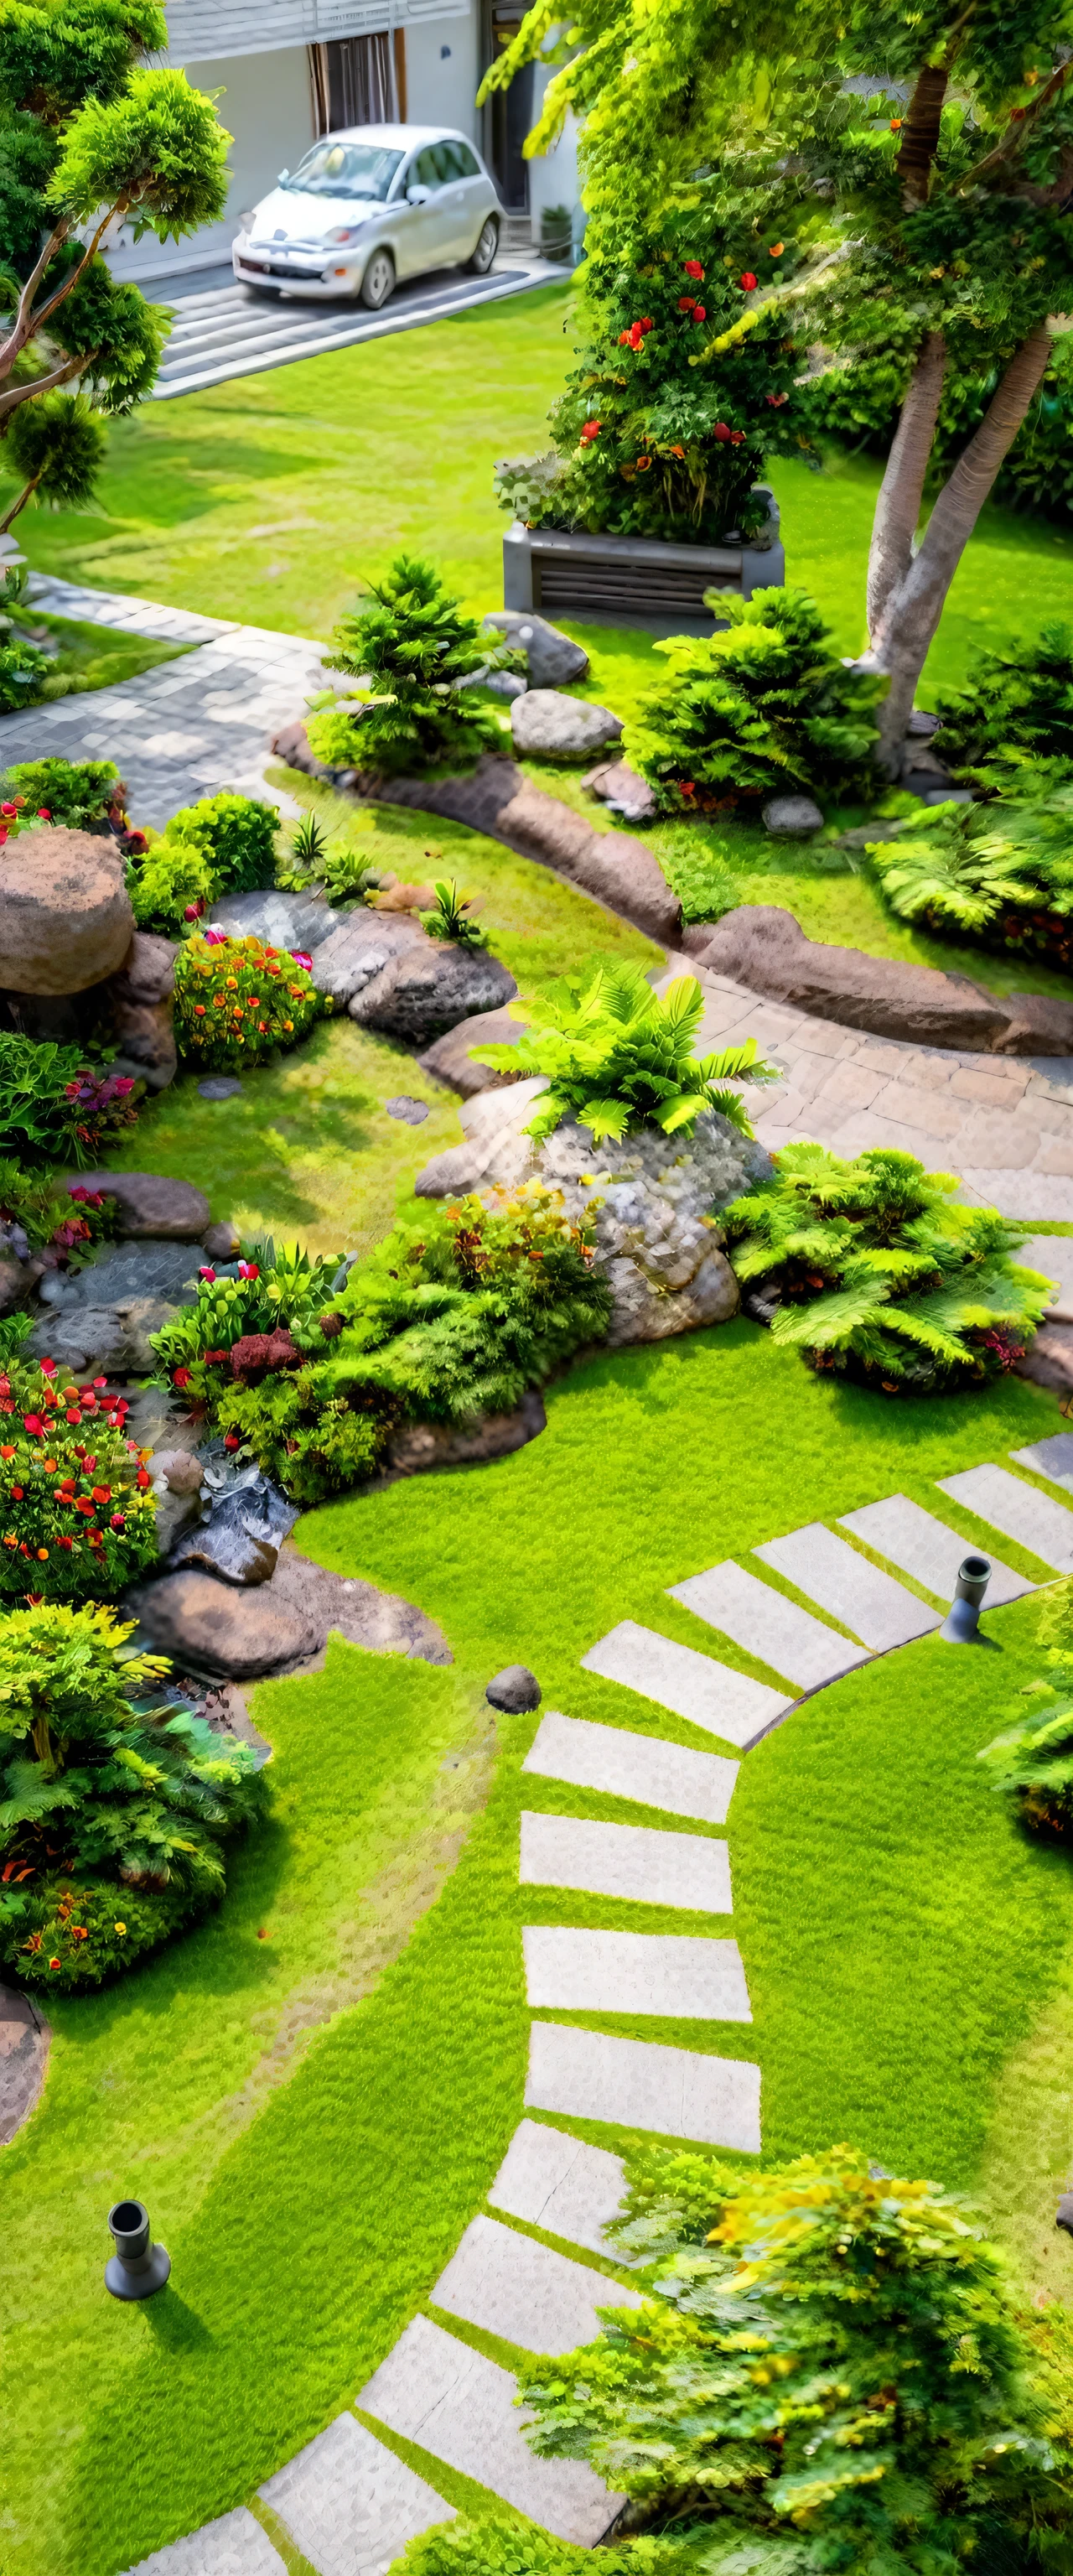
[113, 1800]
[237, 999]
[33, 1214]
[77, 1516]
[53, 1108]
[281, 1292]
[75, 793]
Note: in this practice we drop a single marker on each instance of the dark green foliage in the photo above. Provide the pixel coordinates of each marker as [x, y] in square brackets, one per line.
[618, 1056]
[875, 1271]
[999, 873]
[1031, 1764]
[53, 59]
[235, 835]
[53, 1109]
[103, 1777]
[860, 403]
[58, 448]
[1019, 700]
[827, 2377]
[762, 709]
[110, 327]
[418, 657]
[76, 793]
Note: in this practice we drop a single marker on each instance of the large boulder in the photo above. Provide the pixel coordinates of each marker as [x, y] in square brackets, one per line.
[456, 1058]
[358, 950]
[108, 1341]
[420, 992]
[419, 1445]
[140, 1005]
[226, 1633]
[126, 1271]
[65, 915]
[151, 1204]
[764, 948]
[558, 728]
[552, 659]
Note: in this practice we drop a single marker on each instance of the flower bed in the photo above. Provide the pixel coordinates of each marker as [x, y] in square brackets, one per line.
[77, 1516]
[238, 999]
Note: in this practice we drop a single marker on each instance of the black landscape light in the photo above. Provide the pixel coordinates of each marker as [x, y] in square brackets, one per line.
[138, 2267]
[963, 1617]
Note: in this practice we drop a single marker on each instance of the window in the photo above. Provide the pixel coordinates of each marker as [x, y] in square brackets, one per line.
[337, 169]
[468, 165]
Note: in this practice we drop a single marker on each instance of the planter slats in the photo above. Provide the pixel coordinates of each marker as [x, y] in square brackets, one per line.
[633, 581]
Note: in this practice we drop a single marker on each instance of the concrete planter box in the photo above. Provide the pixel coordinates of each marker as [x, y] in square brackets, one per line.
[634, 581]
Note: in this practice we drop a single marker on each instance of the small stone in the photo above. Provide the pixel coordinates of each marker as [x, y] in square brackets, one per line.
[222, 1241]
[181, 1470]
[552, 658]
[513, 1690]
[285, 920]
[219, 1086]
[1064, 2213]
[412, 1112]
[456, 1057]
[792, 817]
[561, 728]
[150, 1204]
[622, 791]
[506, 684]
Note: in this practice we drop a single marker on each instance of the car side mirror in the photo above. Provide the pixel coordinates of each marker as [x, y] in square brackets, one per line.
[417, 195]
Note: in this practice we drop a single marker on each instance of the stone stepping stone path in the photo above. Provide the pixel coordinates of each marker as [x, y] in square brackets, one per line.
[665, 1973]
[626, 1860]
[877, 1609]
[523, 2291]
[637, 2084]
[349, 2504]
[1053, 1254]
[1033, 1519]
[694, 1686]
[233, 2546]
[768, 1626]
[560, 2183]
[438, 2392]
[1053, 1457]
[640, 1767]
[925, 1548]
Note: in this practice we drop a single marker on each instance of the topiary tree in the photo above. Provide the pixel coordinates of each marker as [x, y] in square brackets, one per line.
[761, 707]
[933, 216]
[416, 658]
[89, 138]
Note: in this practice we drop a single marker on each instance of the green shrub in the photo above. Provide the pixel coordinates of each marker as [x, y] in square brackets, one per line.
[1032, 1763]
[878, 1274]
[235, 836]
[618, 1057]
[237, 999]
[828, 2375]
[310, 1438]
[763, 708]
[23, 672]
[417, 656]
[76, 1513]
[113, 1801]
[76, 793]
[282, 1290]
[170, 887]
[1020, 700]
[53, 1108]
[1000, 873]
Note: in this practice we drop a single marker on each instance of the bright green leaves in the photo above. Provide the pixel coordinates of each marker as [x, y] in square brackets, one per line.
[616, 1056]
[759, 709]
[158, 151]
[418, 658]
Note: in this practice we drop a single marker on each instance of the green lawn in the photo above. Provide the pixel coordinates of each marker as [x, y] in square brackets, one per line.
[96, 656]
[311, 2144]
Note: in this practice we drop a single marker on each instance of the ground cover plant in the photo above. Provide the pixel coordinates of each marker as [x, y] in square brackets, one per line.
[114, 1800]
[53, 1106]
[416, 659]
[78, 1516]
[618, 1056]
[872, 1267]
[759, 709]
[238, 999]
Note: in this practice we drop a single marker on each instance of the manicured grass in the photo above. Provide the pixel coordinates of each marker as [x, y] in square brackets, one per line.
[97, 656]
[899, 1938]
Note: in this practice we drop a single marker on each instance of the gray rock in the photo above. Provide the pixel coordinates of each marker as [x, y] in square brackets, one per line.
[560, 728]
[422, 992]
[285, 920]
[219, 1086]
[792, 817]
[513, 1690]
[241, 1539]
[122, 1271]
[412, 1112]
[553, 659]
[420, 1445]
[222, 1241]
[149, 1204]
[357, 952]
[456, 1058]
[92, 1341]
[494, 1122]
[179, 1469]
[622, 791]
[505, 684]
[764, 948]
[174, 1514]
[223, 1632]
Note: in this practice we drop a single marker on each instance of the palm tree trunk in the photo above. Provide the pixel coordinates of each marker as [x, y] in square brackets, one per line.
[902, 489]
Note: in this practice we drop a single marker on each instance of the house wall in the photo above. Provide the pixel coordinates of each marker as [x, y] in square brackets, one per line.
[266, 105]
[441, 85]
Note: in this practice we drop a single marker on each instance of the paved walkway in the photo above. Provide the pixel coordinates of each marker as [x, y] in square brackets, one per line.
[345, 2500]
[223, 332]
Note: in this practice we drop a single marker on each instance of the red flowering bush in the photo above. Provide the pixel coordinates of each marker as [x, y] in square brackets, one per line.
[237, 999]
[77, 1517]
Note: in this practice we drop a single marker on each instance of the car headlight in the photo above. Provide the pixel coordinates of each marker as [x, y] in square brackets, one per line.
[342, 233]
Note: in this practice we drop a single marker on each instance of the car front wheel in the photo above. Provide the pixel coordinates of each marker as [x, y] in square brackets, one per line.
[481, 258]
[379, 280]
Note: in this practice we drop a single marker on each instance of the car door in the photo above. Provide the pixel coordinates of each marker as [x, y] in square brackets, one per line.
[471, 197]
[424, 228]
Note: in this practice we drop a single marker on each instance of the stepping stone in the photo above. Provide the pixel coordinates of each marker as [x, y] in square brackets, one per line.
[625, 1765]
[349, 2505]
[634, 1972]
[1053, 1457]
[634, 2084]
[559, 2183]
[924, 1547]
[233, 2546]
[830, 1571]
[1043, 1526]
[694, 1686]
[1053, 1254]
[626, 1860]
[524, 2292]
[768, 1626]
[434, 2390]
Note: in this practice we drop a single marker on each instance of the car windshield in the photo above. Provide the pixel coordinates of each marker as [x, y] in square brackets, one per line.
[344, 170]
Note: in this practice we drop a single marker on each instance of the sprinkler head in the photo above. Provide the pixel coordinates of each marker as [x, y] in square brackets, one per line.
[963, 1617]
[138, 2267]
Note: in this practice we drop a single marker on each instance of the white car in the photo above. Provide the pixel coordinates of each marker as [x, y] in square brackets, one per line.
[368, 205]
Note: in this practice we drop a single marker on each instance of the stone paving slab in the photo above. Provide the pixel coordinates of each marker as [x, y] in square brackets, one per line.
[560, 2183]
[1053, 1254]
[767, 1625]
[434, 2390]
[349, 2505]
[1018, 1510]
[624, 1765]
[696, 1687]
[633, 1861]
[637, 2084]
[523, 2291]
[877, 1609]
[1053, 1458]
[235, 2545]
[675, 1975]
[924, 1547]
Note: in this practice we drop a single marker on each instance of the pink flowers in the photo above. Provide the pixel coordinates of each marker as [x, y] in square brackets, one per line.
[776, 399]
[301, 957]
[248, 1270]
[206, 1274]
[32, 1423]
[215, 938]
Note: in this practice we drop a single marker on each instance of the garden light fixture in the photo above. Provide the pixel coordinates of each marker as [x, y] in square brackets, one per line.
[138, 2267]
[963, 1617]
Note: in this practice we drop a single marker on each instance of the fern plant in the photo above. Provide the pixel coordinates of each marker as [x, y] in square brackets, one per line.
[762, 708]
[616, 1056]
[416, 659]
[873, 1270]
[1001, 873]
[1020, 700]
[1032, 1764]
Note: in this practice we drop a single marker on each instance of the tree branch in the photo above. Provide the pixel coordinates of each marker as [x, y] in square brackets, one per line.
[1017, 135]
[25, 495]
[27, 324]
[18, 334]
[64, 374]
[902, 489]
[920, 134]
